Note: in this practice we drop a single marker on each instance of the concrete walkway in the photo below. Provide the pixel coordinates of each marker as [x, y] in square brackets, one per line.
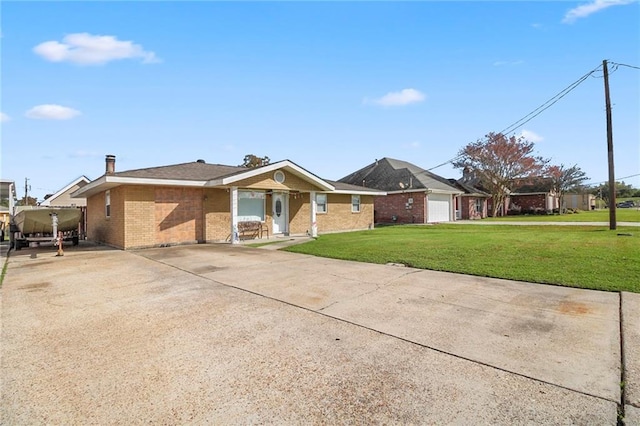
[222, 334]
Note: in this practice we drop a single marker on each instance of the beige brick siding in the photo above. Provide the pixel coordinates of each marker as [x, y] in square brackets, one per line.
[218, 217]
[102, 229]
[179, 217]
[339, 216]
[139, 210]
[175, 215]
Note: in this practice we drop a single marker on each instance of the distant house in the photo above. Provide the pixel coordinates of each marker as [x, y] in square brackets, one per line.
[62, 198]
[478, 198]
[198, 202]
[535, 195]
[7, 203]
[413, 195]
[582, 201]
[472, 203]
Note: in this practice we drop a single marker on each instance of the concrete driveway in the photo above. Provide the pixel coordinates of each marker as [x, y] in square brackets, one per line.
[219, 334]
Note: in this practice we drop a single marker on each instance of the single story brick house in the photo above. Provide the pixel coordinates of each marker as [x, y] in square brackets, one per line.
[198, 202]
[413, 195]
[534, 195]
[472, 203]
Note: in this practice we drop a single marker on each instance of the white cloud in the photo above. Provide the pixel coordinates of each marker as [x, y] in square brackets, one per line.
[413, 145]
[531, 136]
[4, 117]
[587, 9]
[88, 49]
[51, 112]
[84, 154]
[403, 97]
[504, 63]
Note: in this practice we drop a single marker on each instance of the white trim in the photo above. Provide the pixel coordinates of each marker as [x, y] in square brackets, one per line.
[312, 217]
[108, 182]
[347, 191]
[233, 207]
[285, 164]
[47, 202]
[427, 191]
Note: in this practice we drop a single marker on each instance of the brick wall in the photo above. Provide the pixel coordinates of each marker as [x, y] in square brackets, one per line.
[388, 206]
[339, 216]
[529, 202]
[102, 229]
[178, 215]
[218, 217]
[468, 208]
[139, 227]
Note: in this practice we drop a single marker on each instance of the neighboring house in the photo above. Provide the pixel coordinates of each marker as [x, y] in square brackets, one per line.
[199, 202]
[535, 195]
[62, 198]
[472, 203]
[414, 195]
[8, 200]
[583, 201]
[472, 184]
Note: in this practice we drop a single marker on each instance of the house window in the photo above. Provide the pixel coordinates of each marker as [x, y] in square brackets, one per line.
[251, 206]
[478, 205]
[355, 204]
[107, 203]
[321, 203]
[278, 176]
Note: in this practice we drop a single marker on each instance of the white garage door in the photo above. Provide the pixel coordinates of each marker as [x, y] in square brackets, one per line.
[438, 208]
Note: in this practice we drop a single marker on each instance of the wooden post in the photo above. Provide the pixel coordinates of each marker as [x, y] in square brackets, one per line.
[612, 178]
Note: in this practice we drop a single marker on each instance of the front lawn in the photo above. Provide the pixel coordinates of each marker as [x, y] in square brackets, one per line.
[622, 215]
[576, 256]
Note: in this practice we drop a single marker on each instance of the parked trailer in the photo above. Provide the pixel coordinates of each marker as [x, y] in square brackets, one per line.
[44, 224]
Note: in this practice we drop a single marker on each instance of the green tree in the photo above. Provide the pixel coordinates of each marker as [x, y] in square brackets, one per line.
[252, 161]
[565, 179]
[498, 160]
[622, 191]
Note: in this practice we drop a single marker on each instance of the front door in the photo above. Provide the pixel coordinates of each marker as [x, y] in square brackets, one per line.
[279, 212]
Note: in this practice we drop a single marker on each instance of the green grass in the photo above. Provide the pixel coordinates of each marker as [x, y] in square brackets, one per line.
[4, 270]
[622, 215]
[576, 256]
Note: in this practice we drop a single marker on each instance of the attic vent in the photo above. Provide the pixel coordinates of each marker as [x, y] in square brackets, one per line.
[200, 161]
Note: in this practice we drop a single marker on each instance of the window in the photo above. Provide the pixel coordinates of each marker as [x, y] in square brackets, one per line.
[478, 205]
[278, 176]
[321, 202]
[355, 204]
[251, 206]
[107, 203]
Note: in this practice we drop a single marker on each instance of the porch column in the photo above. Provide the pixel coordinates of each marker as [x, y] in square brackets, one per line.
[313, 208]
[233, 208]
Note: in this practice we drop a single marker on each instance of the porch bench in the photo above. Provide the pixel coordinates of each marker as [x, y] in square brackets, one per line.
[253, 229]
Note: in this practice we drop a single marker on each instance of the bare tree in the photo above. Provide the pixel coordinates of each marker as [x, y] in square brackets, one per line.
[252, 161]
[563, 179]
[497, 161]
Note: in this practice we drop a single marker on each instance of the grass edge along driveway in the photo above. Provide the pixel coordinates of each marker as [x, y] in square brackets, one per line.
[588, 257]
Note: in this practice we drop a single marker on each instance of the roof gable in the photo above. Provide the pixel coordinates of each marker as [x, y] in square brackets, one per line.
[80, 182]
[391, 175]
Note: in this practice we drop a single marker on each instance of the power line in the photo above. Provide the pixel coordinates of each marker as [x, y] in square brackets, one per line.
[624, 65]
[524, 120]
[618, 179]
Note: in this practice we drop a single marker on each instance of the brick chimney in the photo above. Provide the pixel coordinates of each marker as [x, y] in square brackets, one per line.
[110, 163]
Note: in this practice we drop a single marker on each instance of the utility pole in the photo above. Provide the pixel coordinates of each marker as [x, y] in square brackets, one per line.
[26, 190]
[612, 179]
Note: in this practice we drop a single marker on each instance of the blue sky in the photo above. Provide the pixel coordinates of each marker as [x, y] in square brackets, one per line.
[329, 85]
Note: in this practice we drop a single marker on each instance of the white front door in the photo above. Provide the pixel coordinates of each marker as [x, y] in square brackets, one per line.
[279, 212]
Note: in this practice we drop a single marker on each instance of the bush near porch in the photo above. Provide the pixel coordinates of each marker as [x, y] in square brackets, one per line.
[589, 257]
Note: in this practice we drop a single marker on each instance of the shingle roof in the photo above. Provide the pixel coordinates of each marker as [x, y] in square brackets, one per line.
[389, 174]
[341, 186]
[468, 189]
[185, 171]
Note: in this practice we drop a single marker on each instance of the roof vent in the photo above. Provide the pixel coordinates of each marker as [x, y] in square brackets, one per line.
[200, 161]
